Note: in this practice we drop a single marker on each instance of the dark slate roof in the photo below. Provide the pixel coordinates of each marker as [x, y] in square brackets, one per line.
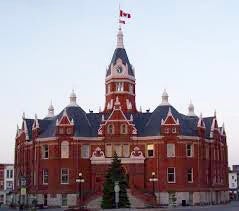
[121, 53]
[147, 124]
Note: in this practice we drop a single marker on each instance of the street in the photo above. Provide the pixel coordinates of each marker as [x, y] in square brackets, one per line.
[233, 206]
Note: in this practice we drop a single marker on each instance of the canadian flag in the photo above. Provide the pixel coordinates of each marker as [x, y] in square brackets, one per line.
[124, 14]
[121, 21]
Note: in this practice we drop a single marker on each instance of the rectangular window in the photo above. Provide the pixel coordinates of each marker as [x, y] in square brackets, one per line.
[64, 176]
[190, 175]
[119, 86]
[189, 150]
[125, 150]
[45, 176]
[170, 150]
[171, 175]
[45, 152]
[9, 185]
[85, 151]
[118, 149]
[8, 173]
[108, 150]
[150, 150]
[64, 200]
[11, 173]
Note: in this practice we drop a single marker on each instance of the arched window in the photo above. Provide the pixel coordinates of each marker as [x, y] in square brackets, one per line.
[110, 129]
[123, 129]
[64, 149]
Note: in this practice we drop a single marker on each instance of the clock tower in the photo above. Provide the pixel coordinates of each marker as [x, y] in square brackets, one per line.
[120, 80]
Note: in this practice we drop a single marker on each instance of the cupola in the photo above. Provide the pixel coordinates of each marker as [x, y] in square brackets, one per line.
[164, 98]
[191, 109]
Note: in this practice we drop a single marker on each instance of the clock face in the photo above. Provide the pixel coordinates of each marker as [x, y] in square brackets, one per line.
[119, 69]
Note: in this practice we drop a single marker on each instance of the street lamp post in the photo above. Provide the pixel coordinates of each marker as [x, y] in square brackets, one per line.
[153, 179]
[80, 180]
[117, 190]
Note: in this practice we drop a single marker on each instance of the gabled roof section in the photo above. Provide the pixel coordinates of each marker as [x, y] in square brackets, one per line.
[121, 53]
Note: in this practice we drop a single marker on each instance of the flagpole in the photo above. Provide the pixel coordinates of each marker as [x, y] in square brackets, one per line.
[119, 17]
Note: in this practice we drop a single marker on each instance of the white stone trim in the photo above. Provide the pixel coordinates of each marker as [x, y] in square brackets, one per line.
[193, 138]
[123, 160]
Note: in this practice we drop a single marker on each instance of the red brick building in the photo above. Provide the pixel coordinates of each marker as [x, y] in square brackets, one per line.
[186, 154]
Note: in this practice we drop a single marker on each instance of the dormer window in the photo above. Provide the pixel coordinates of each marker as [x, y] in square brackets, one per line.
[119, 86]
[108, 88]
[131, 89]
[123, 129]
[61, 130]
[174, 130]
[69, 131]
[166, 130]
[110, 129]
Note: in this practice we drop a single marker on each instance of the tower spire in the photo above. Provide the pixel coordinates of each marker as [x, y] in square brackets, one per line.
[120, 38]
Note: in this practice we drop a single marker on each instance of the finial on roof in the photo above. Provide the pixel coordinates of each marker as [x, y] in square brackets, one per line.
[18, 131]
[103, 118]
[200, 121]
[72, 121]
[169, 112]
[73, 99]
[215, 113]
[131, 118]
[36, 122]
[117, 102]
[23, 115]
[191, 109]
[100, 109]
[50, 110]
[165, 98]
[140, 109]
[120, 41]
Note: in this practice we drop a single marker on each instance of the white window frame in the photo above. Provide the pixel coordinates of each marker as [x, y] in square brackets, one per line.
[45, 176]
[64, 149]
[123, 129]
[85, 151]
[150, 156]
[174, 130]
[191, 175]
[174, 174]
[119, 86]
[44, 151]
[169, 153]
[110, 130]
[191, 150]
[67, 175]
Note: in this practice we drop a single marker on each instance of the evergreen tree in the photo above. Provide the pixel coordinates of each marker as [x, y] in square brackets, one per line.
[115, 173]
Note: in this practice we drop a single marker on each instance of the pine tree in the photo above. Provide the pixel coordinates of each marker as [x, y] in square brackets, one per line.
[115, 173]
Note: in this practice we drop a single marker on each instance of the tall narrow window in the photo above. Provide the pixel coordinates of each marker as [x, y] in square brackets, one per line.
[64, 149]
[171, 175]
[64, 200]
[119, 86]
[64, 176]
[45, 176]
[190, 175]
[110, 129]
[189, 150]
[108, 150]
[150, 150]
[85, 151]
[123, 129]
[131, 88]
[45, 152]
[170, 150]
[118, 149]
[125, 150]
[108, 88]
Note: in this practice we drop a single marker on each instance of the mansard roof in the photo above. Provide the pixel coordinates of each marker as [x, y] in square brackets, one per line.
[121, 53]
[147, 124]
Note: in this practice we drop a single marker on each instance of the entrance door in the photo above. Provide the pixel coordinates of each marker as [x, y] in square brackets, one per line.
[190, 201]
[45, 200]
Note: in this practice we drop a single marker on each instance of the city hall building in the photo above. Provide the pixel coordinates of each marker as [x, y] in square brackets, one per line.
[165, 154]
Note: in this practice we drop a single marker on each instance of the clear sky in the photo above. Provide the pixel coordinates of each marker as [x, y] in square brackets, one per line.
[48, 47]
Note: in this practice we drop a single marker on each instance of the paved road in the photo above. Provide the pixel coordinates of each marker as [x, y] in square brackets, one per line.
[233, 206]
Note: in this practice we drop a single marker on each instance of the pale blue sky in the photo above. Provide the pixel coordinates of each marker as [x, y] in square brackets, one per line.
[48, 47]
